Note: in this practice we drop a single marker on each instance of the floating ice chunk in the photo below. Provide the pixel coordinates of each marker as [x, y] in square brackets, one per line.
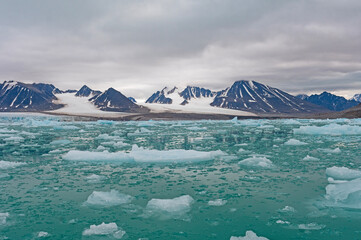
[258, 162]
[343, 173]
[172, 156]
[331, 129]
[108, 199]
[282, 222]
[175, 208]
[311, 226]
[42, 234]
[7, 165]
[250, 235]
[94, 178]
[309, 158]
[217, 202]
[118, 157]
[287, 209]
[295, 142]
[347, 194]
[3, 217]
[105, 229]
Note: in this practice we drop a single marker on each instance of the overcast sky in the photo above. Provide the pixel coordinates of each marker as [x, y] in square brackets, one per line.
[138, 46]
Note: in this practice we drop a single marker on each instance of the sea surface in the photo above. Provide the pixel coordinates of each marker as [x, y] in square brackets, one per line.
[276, 179]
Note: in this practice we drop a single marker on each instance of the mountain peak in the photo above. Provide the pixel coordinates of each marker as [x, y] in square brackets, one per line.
[85, 91]
[113, 100]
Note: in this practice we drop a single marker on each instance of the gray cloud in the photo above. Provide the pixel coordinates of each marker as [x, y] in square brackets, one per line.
[141, 46]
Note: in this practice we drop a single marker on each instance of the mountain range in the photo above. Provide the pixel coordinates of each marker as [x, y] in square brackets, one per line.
[330, 101]
[248, 96]
[242, 95]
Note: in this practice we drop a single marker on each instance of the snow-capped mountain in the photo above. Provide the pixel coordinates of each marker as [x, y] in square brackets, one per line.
[256, 97]
[132, 99]
[18, 96]
[356, 97]
[242, 95]
[331, 101]
[162, 96]
[85, 91]
[302, 96]
[113, 100]
[174, 96]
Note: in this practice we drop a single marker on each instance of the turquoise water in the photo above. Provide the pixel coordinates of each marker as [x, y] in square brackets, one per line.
[57, 177]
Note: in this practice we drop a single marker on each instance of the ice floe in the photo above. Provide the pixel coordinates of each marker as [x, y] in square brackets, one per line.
[343, 173]
[141, 155]
[108, 199]
[175, 208]
[250, 235]
[257, 162]
[7, 164]
[105, 229]
[330, 129]
[344, 190]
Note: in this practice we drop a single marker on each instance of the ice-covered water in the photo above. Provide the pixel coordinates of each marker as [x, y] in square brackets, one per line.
[249, 179]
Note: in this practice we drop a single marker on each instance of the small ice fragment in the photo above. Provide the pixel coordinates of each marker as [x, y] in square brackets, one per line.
[282, 222]
[217, 202]
[94, 178]
[295, 142]
[3, 217]
[42, 234]
[309, 158]
[311, 226]
[105, 229]
[288, 209]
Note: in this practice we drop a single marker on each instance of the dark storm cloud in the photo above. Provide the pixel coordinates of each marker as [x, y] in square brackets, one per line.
[140, 46]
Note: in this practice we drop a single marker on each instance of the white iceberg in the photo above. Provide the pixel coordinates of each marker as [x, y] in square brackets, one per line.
[343, 173]
[175, 208]
[108, 199]
[257, 162]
